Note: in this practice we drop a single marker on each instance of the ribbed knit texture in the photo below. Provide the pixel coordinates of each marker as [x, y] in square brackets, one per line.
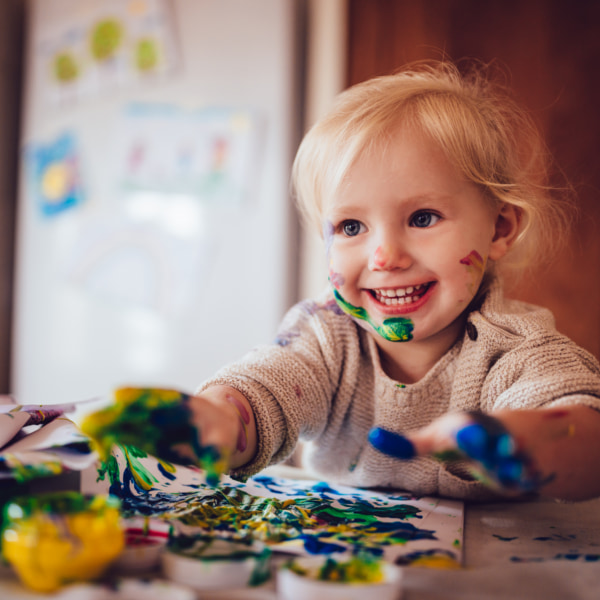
[322, 382]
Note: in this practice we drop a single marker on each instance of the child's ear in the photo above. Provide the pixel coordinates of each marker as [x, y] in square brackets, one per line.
[506, 230]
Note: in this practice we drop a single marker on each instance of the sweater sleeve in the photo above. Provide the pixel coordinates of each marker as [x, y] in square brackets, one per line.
[289, 384]
[544, 371]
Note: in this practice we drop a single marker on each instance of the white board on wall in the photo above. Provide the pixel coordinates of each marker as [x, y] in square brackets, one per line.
[159, 285]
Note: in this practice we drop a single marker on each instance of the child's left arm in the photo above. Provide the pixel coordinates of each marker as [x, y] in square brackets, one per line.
[553, 451]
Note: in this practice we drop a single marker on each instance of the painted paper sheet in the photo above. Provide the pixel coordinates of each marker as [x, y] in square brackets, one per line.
[152, 263]
[211, 154]
[38, 441]
[88, 48]
[291, 516]
[54, 174]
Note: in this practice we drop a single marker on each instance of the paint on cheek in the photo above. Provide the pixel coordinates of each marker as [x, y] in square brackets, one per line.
[475, 267]
[394, 329]
[336, 279]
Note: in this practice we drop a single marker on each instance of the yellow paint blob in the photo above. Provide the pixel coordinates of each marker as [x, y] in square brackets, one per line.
[55, 181]
[55, 542]
[436, 561]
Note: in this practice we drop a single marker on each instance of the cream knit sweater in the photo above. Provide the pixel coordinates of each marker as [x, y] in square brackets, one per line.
[322, 382]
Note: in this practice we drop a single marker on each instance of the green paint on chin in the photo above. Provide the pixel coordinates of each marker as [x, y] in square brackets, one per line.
[394, 329]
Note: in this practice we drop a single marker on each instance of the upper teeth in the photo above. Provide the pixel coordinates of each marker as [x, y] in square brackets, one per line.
[398, 293]
[397, 296]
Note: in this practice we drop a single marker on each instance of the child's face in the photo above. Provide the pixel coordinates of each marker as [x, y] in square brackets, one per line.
[408, 240]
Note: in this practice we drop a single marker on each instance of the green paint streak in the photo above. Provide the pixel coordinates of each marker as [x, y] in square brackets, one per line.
[394, 329]
[142, 476]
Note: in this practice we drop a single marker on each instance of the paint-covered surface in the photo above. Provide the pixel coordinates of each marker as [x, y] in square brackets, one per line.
[58, 538]
[534, 532]
[302, 517]
[38, 441]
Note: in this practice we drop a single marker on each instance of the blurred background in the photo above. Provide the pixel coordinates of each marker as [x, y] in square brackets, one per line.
[147, 235]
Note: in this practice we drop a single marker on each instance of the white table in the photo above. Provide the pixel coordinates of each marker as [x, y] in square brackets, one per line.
[537, 549]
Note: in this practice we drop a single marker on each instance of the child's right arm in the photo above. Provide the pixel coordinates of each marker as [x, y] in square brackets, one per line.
[224, 419]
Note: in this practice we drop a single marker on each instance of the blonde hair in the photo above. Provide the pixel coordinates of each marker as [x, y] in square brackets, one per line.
[480, 128]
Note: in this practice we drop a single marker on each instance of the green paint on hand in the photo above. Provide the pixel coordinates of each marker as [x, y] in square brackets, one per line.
[152, 421]
[394, 329]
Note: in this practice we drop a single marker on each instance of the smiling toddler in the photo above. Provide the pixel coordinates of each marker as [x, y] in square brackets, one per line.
[412, 370]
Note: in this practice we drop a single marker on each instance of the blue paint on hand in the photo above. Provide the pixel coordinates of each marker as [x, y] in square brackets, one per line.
[474, 441]
[391, 443]
[487, 442]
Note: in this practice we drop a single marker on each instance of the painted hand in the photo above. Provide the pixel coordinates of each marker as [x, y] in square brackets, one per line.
[481, 439]
[162, 422]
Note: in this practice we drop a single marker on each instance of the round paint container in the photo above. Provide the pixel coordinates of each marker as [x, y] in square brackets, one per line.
[127, 589]
[215, 564]
[145, 541]
[57, 538]
[303, 581]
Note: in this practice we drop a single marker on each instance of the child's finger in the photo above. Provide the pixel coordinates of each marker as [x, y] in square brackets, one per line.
[438, 438]
[391, 443]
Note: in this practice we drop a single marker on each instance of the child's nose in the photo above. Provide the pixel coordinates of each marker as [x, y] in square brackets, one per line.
[388, 257]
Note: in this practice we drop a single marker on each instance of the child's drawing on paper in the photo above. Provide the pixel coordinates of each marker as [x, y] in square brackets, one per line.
[97, 46]
[150, 264]
[211, 155]
[55, 174]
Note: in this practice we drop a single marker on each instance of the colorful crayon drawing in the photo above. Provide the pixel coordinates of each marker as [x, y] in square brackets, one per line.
[299, 517]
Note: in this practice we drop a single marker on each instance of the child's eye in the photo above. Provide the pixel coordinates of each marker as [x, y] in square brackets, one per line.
[352, 228]
[424, 219]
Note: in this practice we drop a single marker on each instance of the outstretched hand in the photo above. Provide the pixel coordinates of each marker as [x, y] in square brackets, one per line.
[496, 458]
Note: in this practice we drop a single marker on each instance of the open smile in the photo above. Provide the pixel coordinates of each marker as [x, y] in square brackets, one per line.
[401, 299]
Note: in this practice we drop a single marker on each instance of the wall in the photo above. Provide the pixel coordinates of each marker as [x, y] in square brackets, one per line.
[551, 51]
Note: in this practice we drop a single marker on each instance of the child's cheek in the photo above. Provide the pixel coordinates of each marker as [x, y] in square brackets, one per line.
[336, 278]
[474, 268]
